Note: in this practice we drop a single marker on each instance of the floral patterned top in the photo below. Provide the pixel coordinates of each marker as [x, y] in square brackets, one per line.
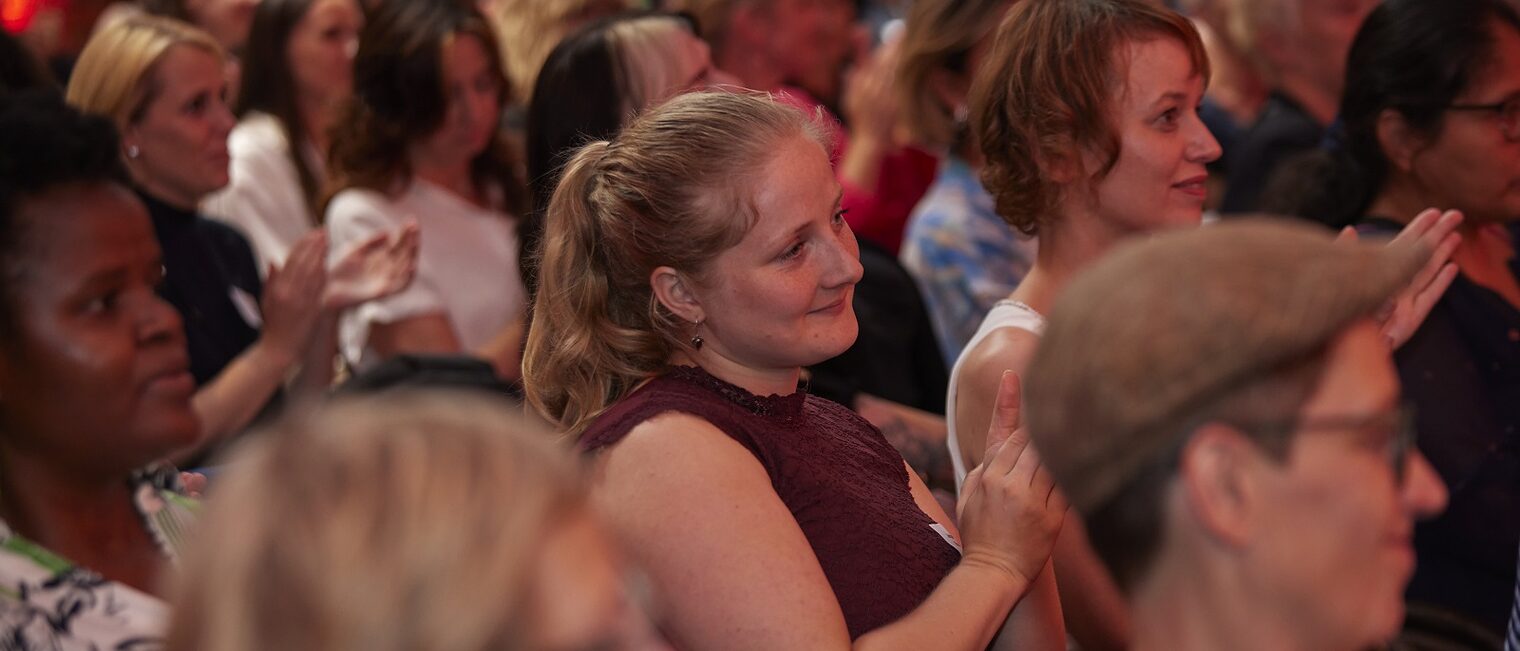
[963, 255]
[48, 603]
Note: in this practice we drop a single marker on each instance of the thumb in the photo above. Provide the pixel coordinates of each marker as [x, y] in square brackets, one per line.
[1006, 412]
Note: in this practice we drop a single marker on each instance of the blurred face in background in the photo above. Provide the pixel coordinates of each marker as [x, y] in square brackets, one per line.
[181, 139]
[320, 55]
[474, 92]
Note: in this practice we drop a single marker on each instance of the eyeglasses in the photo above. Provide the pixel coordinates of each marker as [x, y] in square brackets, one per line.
[1507, 110]
[1400, 421]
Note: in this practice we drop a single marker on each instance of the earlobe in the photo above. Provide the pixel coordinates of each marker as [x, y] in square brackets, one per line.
[673, 290]
[1215, 473]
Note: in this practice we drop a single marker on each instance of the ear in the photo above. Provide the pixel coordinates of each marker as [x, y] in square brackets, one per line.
[674, 291]
[949, 88]
[1398, 140]
[1216, 471]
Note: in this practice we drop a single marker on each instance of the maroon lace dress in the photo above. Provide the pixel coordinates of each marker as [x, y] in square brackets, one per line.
[846, 486]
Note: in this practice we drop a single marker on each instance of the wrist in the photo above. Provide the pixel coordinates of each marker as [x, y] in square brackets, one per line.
[996, 566]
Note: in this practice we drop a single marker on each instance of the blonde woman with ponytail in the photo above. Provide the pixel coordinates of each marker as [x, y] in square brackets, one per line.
[691, 267]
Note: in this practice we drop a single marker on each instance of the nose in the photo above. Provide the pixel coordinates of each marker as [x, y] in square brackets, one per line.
[1203, 148]
[843, 265]
[1423, 493]
[159, 322]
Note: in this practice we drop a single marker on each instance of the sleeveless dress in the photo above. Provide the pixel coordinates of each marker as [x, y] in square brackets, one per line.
[1006, 313]
[846, 486]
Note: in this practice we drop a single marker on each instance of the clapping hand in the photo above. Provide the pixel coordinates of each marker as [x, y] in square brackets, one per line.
[378, 267]
[1436, 232]
[1010, 508]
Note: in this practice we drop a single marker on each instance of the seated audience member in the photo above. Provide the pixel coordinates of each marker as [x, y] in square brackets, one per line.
[632, 61]
[1118, 153]
[416, 521]
[891, 374]
[94, 390]
[298, 73]
[964, 257]
[1300, 48]
[161, 82]
[1241, 458]
[1439, 125]
[419, 142]
[676, 309]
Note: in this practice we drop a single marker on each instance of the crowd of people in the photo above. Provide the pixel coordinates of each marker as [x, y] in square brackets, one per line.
[563, 325]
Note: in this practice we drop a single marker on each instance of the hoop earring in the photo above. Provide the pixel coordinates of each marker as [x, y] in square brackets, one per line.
[696, 339]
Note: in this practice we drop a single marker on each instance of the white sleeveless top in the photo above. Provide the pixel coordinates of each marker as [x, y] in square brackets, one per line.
[1006, 313]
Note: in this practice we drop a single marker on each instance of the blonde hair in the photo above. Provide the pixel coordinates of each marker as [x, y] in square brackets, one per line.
[1246, 21]
[412, 522]
[528, 30]
[650, 61]
[669, 190]
[115, 73]
[940, 35]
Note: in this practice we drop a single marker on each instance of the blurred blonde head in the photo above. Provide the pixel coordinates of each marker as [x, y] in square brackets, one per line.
[529, 29]
[417, 522]
[114, 76]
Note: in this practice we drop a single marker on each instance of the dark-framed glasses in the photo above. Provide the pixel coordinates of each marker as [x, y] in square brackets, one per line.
[1399, 422]
[1508, 112]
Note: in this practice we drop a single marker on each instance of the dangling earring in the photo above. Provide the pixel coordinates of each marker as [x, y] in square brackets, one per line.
[133, 152]
[696, 339]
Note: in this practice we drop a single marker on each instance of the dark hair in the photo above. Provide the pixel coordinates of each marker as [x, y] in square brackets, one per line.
[269, 87]
[1045, 91]
[1411, 56]
[560, 120]
[19, 68]
[399, 98]
[45, 144]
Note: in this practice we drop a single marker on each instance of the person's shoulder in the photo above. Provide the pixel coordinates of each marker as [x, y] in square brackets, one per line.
[1005, 348]
[258, 133]
[355, 202]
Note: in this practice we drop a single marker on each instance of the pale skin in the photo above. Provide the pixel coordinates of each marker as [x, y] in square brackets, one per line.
[723, 596]
[1164, 148]
[730, 561]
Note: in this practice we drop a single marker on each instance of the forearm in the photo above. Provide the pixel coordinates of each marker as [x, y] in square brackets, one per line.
[229, 401]
[861, 165]
[964, 612]
[316, 374]
[1036, 622]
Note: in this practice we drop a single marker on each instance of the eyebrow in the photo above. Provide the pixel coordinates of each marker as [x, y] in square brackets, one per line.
[1169, 96]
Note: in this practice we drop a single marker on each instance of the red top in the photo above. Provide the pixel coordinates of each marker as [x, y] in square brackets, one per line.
[846, 486]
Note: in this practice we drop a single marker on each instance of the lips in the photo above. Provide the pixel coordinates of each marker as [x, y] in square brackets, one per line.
[174, 380]
[1196, 186]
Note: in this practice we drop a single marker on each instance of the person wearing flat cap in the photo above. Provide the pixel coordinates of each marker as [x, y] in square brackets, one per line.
[1221, 409]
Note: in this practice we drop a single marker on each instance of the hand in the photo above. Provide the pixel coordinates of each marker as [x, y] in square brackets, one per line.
[194, 483]
[293, 296]
[870, 102]
[1010, 508]
[1404, 313]
[378, 267]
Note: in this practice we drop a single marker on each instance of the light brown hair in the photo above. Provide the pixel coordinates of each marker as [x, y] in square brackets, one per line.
[1045, 95]
[939, 36]
[671, 190]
